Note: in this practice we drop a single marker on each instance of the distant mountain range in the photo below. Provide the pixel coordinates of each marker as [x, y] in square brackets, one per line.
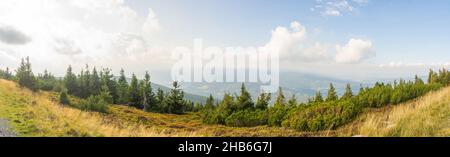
[187, 95]
[302, 85]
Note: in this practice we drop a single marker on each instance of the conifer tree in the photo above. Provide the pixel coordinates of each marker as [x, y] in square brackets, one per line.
[95, 83]
[25, 75]
[175, 100]
[418, 80]
[318, 98]
[332, 95]
[262, 103]
[244, 101]
[63, 98]
[149, 99]
[281, 99]
[123, 89]
[135, 98]
[70, 81]
[6, 74]
[348, 92]
[227, 102]
[292, 102]
[47, 81]
[160, 100]
[107, 79]
[209, 104]
[105, 94]
[432, 77]
[86, 83]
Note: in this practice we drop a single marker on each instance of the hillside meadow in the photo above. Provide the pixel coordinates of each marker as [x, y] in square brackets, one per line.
[427, 116]
[38, 114]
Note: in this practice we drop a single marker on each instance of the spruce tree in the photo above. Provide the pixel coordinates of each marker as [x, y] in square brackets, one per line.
[105, 94]
[280, 101]
[47, 81]
[70, 81]
[175, 100]
[135, 98]
[332, 95]
[86, 83]
[432, 77]
[149, 99]
[318, 98]
[95, 83]
[5, 74]
[25, 75]
[292, 102]
[244, 101]
[227, 102]
[263, 100]
[63, 98]
[418, 80]
[107, 79]
[160, 100]
[123, 89]
[348, 93]
[209, 104]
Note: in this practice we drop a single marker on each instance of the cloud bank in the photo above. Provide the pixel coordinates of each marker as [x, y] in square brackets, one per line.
[106, 32]
[10, 35]
[292, 45]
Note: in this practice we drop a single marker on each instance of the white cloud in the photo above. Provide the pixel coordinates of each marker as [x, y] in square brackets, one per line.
[151, 24]
[294, 46]
[10, 35]
[291, 45]
[286, 41]
[79, 31]
[337, 7]
[355, 51]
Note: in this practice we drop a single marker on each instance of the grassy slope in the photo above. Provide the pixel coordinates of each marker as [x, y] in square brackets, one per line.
[37, 114]
[423, 117]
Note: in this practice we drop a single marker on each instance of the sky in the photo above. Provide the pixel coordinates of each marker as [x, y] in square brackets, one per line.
[350, 39]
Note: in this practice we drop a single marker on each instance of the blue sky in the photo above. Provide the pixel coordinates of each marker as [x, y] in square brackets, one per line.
[407, 31]
[350, 39]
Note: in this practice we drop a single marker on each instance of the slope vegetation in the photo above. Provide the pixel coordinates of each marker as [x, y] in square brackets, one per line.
[428, 116]
[38, 114]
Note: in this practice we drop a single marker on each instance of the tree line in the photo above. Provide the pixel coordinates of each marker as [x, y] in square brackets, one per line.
[319, 112]
[98, 89]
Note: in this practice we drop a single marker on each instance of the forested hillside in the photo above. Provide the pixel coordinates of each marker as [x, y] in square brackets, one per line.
[116, 102]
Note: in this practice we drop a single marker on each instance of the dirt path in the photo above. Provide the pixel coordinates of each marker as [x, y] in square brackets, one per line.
[5, 129]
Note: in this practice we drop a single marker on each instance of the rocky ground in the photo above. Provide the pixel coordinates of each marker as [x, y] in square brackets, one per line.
[5, 129]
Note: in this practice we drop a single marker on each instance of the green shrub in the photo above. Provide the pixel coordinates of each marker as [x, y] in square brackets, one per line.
[94, 103]
[322, 116]
[276, 115]
[64, 98]
[247, 118]
[214, 117]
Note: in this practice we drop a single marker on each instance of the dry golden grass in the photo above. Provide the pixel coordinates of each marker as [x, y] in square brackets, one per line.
[428, 116]
[38, 114]
[33, 114]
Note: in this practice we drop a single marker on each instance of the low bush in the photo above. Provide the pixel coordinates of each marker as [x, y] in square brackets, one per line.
[322, 116]
[247, 118]
[94, 103]
[276, 115]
